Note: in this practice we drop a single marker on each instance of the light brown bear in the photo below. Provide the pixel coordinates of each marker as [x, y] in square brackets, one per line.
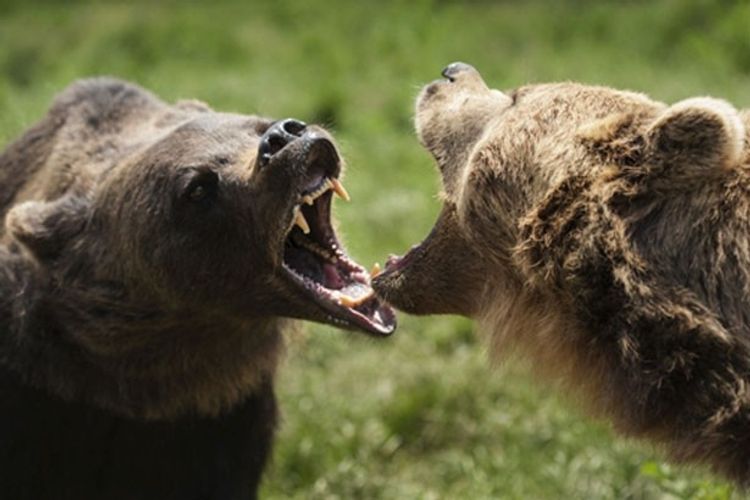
[151, 257]
[606, 236]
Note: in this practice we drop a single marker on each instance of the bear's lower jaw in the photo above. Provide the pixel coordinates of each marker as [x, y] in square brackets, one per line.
[443, 274]
[315, 263]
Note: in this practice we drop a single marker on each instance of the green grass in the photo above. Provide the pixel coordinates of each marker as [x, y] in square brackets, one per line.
[422, 415]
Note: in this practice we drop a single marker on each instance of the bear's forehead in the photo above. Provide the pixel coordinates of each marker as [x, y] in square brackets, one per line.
[209, 136]
[193, 138]
[579, 98]
[157, 149]
[214, 122]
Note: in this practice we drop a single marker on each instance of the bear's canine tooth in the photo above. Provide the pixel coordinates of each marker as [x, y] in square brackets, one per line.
[327, 185]
[351, 302]
[299, 220]
[338, 188]
[375, 270]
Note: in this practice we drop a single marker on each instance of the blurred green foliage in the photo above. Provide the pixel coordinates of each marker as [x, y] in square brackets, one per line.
[422, 415]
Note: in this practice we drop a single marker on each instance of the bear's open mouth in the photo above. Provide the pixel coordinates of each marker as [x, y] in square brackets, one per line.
[316, 261]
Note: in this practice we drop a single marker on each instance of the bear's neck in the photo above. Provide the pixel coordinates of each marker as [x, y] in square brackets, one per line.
[130, 358]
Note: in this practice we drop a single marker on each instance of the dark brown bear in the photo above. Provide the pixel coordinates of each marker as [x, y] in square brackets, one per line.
[607, 237]
[150, 256]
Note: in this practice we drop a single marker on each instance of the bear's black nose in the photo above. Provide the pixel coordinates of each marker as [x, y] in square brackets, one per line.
[453, 69]
[277, 136]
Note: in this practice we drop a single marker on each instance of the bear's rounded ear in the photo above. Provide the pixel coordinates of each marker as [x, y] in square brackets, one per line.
[193, 105]
[44, 227]
[698, 132]
[605, 129]
[613, 138]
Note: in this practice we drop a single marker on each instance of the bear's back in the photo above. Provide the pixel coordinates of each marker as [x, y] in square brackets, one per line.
[89, 126]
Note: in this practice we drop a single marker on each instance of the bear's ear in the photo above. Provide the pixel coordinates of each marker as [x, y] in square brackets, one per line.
[605, 129]
[193, 105]
[699, 132]
[44, 227]
[613, 139]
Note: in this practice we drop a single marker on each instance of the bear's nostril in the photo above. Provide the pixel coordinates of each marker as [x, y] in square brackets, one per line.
[452, 70]
[275, 143]
[277, 136]
[292, 126]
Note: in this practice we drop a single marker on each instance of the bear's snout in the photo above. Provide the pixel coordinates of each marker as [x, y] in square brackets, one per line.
[277, 136]
[453, 70]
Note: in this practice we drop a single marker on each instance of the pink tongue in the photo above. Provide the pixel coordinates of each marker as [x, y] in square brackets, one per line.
[333, 280]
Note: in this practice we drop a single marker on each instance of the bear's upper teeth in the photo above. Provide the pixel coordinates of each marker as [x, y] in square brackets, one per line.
[327, 185]
[310, 198]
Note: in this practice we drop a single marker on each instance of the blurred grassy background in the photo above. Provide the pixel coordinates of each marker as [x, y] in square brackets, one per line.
[422, 415]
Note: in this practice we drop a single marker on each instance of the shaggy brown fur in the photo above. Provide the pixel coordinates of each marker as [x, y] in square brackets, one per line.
[143, 297]
[605, 235]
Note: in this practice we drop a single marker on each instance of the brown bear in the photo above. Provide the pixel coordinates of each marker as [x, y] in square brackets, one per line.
[150, 259]
[604, 235]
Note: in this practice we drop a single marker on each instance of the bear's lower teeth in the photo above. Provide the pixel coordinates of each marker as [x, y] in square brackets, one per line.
[313, 247]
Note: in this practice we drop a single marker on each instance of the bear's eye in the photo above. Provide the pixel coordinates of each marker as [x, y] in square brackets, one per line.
[203, 187]
[198, 193]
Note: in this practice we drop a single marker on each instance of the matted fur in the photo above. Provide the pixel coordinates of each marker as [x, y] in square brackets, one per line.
[140, 325]
[605, 236]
